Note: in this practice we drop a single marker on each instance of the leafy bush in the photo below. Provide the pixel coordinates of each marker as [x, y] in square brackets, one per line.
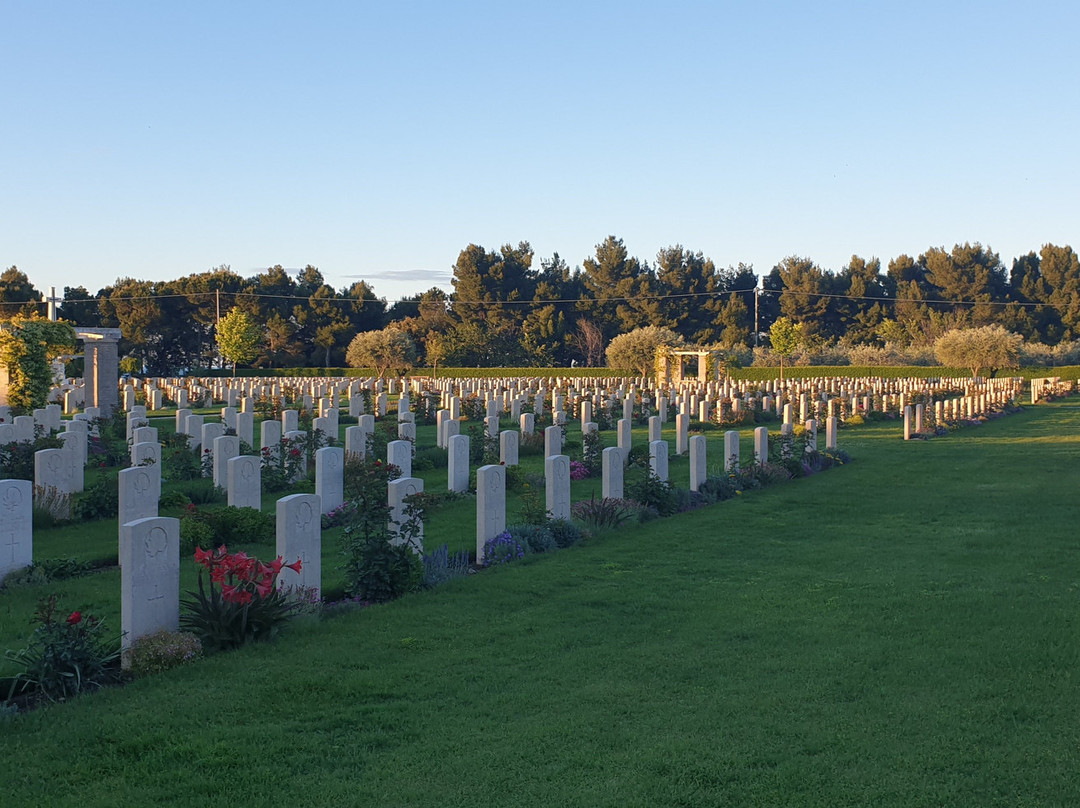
[17, 457]
[564, 533]
[652, 492]
[430, 457]
[538, 538]
[195, 531]
[178, 462]
[65, 656]
[378, 571]
[243, 605]
[502, 549]
[162, 651]
[201, 491]
[99, 500]
[440, 566]
[232, 525]
[48, 570]
[533, 507]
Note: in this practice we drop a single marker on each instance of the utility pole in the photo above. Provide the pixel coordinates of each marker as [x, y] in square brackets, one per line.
[757, 331]
[217, 298]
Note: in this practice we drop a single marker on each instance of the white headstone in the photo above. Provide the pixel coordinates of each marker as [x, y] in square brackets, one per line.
[225, 447]
[761, 444]
[491, 504]
[399, 453]
[612, 484]
[731, 450]
[245, 482]
[508, 447]
[149, 577]
[658, 459]
[557, 486]
[457, 478]
[396, 492]
[553, 440]
[698, 471]
[16, 525]
[329, 477]
[624, 438]
[299, 535]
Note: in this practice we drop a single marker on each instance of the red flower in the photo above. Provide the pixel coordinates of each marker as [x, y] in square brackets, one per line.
[265, 588]
[296, 566]
[294, 453]
[74, 617]
[204, 557]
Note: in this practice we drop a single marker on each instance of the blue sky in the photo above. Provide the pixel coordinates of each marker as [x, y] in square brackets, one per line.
[376, 140]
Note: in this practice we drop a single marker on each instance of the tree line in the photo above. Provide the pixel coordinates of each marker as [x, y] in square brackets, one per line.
[509, 308]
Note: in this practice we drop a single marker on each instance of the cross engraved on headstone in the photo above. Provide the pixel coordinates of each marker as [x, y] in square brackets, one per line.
[10, 543]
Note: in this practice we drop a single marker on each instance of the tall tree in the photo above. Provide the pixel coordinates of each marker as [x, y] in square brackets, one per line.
[238, 337]
[688, 283]
[971, 277]
[18, 297]
[804, 297]
[866, 305]
[619, 290]
[79, 307]
[1060, 268]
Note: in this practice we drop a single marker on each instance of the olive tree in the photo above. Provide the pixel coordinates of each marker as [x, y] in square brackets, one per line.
[389, 349]
[990, 346]
[635, 351]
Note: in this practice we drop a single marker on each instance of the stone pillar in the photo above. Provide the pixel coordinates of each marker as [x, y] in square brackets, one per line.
[101, 367]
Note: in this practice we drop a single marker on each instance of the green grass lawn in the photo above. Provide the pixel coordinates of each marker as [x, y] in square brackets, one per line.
[898, 631]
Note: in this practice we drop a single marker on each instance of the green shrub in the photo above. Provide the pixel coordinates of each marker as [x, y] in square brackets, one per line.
[201, 491]
[48, 570]
[66, 655]
[100, 500]
[17, 458]
[379, 571]
[652, 492]
[538, 538]
[564, 533]
[429, 458]
[195, 531]
[162, 651]
[233, 525]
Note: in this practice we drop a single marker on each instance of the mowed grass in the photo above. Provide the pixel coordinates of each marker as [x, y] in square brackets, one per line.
[898, 631]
